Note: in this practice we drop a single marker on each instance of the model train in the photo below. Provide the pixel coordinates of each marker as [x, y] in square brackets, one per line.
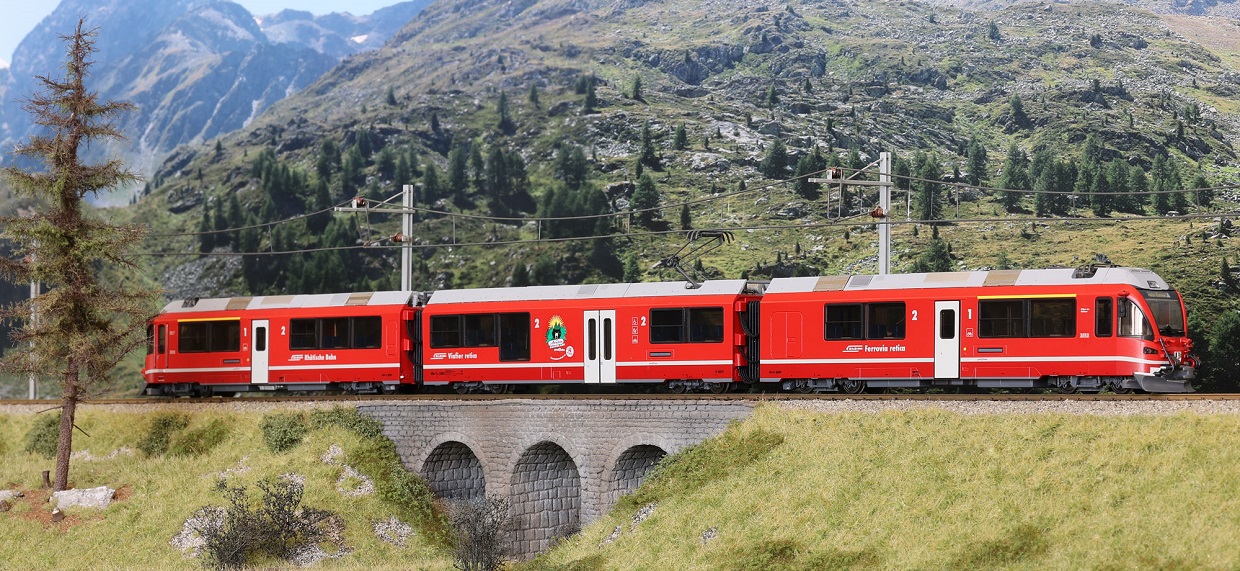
[1088, 329]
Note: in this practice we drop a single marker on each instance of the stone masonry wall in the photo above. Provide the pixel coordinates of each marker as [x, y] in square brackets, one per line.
[562, 463]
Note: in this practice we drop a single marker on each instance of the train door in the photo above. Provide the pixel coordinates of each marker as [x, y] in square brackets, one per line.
[259, 356]
[161, 346]
[947, 340]
[600, 346]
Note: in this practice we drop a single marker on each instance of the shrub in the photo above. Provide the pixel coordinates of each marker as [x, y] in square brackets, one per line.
[163, 427]
[347, 418]
[200, 440]
[43, 435]
[278, 526]
[283, 431]
[479, 537]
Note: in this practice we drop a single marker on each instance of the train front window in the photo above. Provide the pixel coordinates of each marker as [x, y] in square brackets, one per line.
[1132, 321]
[1168, 314]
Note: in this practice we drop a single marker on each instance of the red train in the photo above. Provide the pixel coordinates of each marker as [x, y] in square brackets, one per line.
[1088, 329]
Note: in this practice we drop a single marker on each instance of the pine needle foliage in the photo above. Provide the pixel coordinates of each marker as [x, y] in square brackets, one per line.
[83, 326]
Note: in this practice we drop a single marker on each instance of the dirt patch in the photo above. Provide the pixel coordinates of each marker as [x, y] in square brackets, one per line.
[1219, 35]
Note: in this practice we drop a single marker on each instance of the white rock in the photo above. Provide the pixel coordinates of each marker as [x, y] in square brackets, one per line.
[95, 498]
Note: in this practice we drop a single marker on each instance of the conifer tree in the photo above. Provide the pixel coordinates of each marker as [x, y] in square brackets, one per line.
[506, 125]
[976, 165]
[648, 156]
[591, 101]
[86, 325]
[533, 95]
[1015, 177]
[775, 163]
[645, 200]
[807, 165]
[206, 239]
[680, 141]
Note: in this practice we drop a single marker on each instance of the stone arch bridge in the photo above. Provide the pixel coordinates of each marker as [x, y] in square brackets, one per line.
[560, 463]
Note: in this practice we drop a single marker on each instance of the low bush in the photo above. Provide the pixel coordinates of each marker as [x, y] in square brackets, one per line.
[283, 431]
[199, 440]
[479, 533]
[159, 434]
[43, 435]
[242, 533]
[347, 418]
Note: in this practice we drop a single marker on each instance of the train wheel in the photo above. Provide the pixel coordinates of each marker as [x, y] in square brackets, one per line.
[677, 388]
[461, 388]
[719, 388]
[852, 387]
[1123, 391]
[1066, 390]
[803, 387]
[500, 389]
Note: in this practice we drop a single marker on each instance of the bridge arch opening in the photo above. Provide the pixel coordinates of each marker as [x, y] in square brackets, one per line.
[453, 472]
[630, 471]
[546, 497]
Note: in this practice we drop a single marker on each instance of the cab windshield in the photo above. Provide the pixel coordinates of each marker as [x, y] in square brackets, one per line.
[1168, 315]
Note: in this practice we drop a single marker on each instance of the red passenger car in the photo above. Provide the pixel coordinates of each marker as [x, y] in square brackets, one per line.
[590, 334]
[1088, 329]
[356, 342]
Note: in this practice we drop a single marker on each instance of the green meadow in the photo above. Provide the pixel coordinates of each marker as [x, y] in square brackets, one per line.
[783, 490]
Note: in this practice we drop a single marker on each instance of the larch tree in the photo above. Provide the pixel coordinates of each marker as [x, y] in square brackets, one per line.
[83, 325]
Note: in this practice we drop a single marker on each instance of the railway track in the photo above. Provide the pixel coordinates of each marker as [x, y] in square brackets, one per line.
[755, 397]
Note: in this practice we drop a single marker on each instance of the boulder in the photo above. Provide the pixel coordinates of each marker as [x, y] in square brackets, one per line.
[94, 498]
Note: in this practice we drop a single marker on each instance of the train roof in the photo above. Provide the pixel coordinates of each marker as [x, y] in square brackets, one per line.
[291, 301]
[594, 291]
[1136, 277]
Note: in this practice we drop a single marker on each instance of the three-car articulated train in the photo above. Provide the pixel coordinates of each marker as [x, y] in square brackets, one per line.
[1089, 329]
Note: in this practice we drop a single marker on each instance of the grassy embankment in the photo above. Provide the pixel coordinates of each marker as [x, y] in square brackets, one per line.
[784, 490]
[934, 490]
[156, 495]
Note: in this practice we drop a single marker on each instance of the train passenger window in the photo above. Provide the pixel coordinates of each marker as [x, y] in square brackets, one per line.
[303, 334]
[947, 324]
[161, 342]
[193, 337]
[445, 331]
[514, 337]
[843, 321]
[667, 325]
[480, 330]
[210, 336]
[1001, 318]
[592, 340]
[1103, 317]
[1132, 322]
[334, 333]
[686, 325]
[367, 333]
[260, 339]
[885, 321]
[706, 325]
[1052, 318]
[607, 327]
[150, 339]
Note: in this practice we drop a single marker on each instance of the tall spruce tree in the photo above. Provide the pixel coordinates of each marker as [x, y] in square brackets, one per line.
[1015, 178]
[84, 325]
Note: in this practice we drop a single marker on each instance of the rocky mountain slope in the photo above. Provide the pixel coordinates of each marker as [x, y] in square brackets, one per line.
[197, 69]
